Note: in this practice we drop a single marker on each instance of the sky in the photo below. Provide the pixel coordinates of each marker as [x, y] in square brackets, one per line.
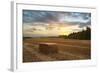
[53, 23]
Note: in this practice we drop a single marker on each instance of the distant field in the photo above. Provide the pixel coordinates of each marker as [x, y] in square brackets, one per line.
[68, 49]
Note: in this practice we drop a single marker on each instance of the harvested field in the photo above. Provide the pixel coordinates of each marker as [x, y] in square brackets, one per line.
[66, 49]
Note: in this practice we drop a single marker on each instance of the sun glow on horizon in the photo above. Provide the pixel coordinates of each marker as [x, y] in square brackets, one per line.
[64, 31]
[52, 23]
[49, 30]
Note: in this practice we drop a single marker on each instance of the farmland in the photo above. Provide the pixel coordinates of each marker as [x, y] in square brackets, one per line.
[67, 49]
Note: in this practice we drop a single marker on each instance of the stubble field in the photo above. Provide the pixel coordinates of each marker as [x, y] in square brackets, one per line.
[67, 49]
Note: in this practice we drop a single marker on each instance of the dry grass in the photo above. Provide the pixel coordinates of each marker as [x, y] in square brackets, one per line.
[67, 49]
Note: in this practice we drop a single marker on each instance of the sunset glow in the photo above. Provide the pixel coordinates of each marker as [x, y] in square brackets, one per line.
[48, 23]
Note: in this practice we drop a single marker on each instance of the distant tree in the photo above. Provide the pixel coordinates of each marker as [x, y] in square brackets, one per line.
[82, 35]
[62, 36]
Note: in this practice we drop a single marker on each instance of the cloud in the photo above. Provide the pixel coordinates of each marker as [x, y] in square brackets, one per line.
[39, 16]
[74, 18]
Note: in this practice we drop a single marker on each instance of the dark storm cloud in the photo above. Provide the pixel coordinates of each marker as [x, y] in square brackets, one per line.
[72, 18]
[39, 16]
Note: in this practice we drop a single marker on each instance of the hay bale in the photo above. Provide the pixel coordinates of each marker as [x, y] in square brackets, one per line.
[48, 48]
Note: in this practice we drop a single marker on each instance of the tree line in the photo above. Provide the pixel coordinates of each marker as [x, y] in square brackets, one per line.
[82, 35]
